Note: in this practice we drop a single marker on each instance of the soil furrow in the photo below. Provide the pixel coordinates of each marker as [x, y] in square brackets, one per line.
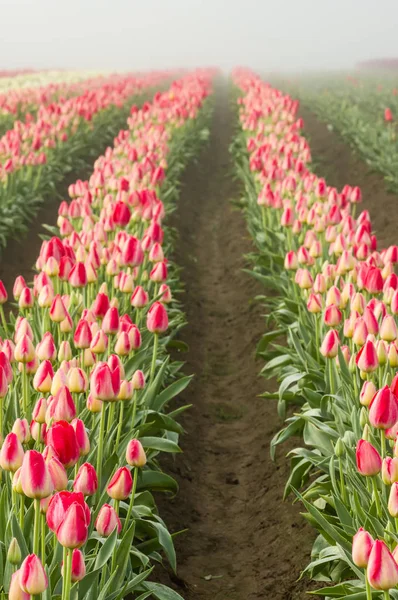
[243, 541]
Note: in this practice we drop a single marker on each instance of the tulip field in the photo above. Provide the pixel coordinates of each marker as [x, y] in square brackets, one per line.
[100, 390]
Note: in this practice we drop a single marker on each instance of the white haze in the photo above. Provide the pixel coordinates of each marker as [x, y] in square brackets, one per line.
[146, 34]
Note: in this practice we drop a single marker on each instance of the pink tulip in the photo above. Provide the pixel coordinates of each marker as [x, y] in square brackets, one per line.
[72, 532]
[35, 477]
[32, 576]
[382, 570]
[11, 453]
[362, 544]
[120, 486]
[86, 480]
[107, 520]
[383, 410]
[368, 459]
[157, 319]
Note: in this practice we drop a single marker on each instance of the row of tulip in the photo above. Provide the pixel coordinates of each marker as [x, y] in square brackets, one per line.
[86, 377]
[35, 155]
[363, 110]
[336, 301]
[20, 95]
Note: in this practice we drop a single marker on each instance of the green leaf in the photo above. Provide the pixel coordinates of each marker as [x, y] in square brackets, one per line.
[162, 592]
[157, 481]
[161, 444]
[106, 550]
[170, 392]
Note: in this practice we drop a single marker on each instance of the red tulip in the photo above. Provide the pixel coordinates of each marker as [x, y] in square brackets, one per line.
[59, 505]
[61, 436]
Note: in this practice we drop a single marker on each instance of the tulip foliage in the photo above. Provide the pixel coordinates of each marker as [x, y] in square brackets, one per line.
[86, 376]
[335, 300]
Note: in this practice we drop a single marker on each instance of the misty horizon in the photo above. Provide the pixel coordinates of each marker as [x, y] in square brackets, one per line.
[128, 35]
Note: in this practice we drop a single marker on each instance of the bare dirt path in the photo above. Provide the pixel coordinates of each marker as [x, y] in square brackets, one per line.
[339, 164]
[243, 543]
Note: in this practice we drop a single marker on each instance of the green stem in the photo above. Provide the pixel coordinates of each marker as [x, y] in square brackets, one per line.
[116, 507]
[331, 378]
[101, 446]
[368, 588]
[111, 415]
[386, 594]
[120, 426]
[25, 391]
[154, 355]
[343, 491]
[43, 539]
[376, 497]
[383, 442]
[36, 530]
[132, 497]
[134, 409]
[21, 510]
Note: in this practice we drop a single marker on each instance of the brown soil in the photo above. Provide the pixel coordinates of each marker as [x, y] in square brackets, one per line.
[338, 164]
[243, 541]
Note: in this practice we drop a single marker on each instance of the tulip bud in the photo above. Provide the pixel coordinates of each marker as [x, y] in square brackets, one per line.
[330, 344]
[157, 319]
[135, 454]
[383, 410]
[368, 459]
[65, 351]
[58, 474]
[11, 453]
[78, 566]
[58, 311]
[82, 439]
[36, 481]
[107, 520]
[22, 431]
[39, 411]
[388, 329]
[73, 530]
[389, 470]
[367, 393]
[362, 544]
[86, 480]
[104, 383]
[43, 378]
[14, 552]
[24, 350]
[77, 381]
[121, 484]
[32, 576]
[93, 404]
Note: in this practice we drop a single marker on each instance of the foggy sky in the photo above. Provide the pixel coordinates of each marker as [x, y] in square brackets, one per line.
[132, 34]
